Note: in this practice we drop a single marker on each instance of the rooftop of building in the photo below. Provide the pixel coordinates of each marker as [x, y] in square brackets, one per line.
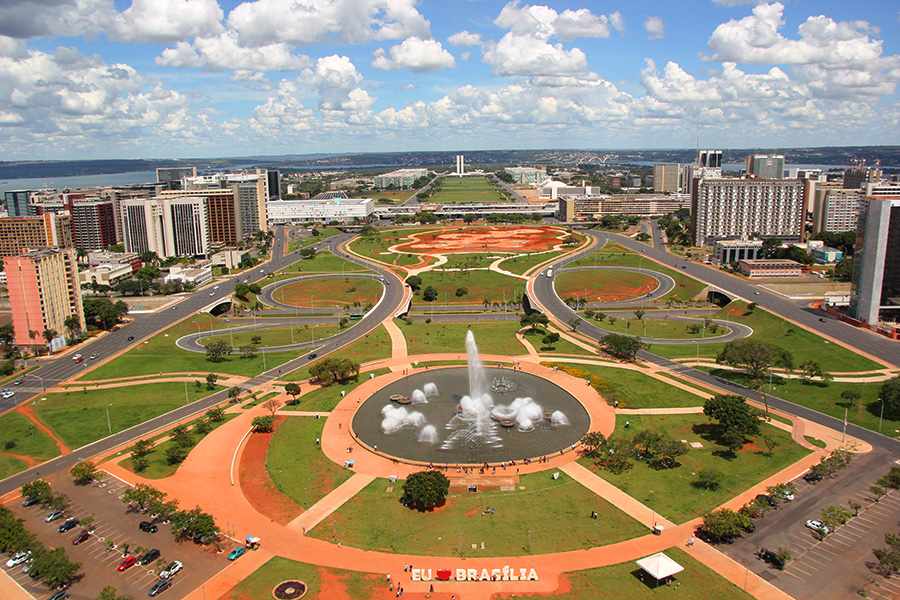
[771, 262]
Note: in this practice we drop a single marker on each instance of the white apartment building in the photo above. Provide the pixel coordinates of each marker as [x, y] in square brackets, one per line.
[304, 211]
[171, 226]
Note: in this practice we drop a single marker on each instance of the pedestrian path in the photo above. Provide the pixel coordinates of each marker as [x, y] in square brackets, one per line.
[330, 503]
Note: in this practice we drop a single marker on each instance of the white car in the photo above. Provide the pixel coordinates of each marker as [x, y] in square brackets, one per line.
[7, 394]
[818, 526]
[173, 568]
[76, 357]
[18, 559]
[216, 287]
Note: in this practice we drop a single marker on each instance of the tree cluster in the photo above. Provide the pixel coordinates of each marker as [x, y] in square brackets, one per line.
[755, 357]
[52, 567]
[736, 419]
[425, 489]
[85, 471]
[622, 346]
[103, 312]
[617, 454]
[334, 369]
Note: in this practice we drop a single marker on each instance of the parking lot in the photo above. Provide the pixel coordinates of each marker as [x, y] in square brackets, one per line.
[114, 523]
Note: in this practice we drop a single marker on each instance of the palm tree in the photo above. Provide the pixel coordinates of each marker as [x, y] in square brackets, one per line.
[32, 335]
[73, 326]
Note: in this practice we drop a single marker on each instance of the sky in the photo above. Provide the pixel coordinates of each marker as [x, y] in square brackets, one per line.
[213, 78]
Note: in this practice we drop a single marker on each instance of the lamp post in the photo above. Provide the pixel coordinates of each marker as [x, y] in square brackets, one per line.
[312, 303]
[881, 418]
[209, 316]
[698, 351]
[108, 422]
[185, 393]
[263, 352]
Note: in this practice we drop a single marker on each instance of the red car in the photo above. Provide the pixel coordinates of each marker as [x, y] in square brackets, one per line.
[127, 562]
[84, 535]
[79, 359]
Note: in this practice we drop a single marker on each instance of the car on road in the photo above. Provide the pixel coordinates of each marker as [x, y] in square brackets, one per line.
[130, 338]
[823, 319]
[174, 567]
[818, 526]
[127, 563]
[148, 527]
[756, 293]
[237, 553]
[18, 559]
[312, 356]
[76, 357]
[810, 477]
[79, 359]
[212, 293]
[159, 587]
[54, 515]
[7, 394]
[70, 524]
[81, 537]
[30, 500]
[95, 356]
[215, 287]
[18, 381]
[766, 499]
[150, 557]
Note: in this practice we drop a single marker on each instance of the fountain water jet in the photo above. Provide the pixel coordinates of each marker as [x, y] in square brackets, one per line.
[430, 389]
[428, 435]
[418, 397]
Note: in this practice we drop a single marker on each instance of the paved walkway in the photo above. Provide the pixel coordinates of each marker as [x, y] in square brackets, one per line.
[330, 503]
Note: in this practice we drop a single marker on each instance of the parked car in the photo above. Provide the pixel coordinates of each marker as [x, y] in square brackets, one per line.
[237, 553]
[18, 559]
[748, 528]
[150, 557]
[30, 500]
[818, 526]
[148, 527]
[60, 595]
[56, 514]
[27, 566]
[711, 538]
[173, 568]
[126, 563]
[70, 524]
[159, 587]
[784, 495]
[767, 500]
[770, 557]
[811, 477]
[81, 537]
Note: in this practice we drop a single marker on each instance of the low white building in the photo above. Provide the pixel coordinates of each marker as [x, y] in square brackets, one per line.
[105, 274]
[229, 258]
[305, 211]
[197, 275]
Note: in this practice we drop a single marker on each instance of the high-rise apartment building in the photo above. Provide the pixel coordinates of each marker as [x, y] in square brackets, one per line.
[766, 166]
[707, 165]
[858, 175]
[93, 222]
[222, 210]
[741, 208]
[166, 225]
[16, 202]
[43, 292]
[665, 177]
[170, 177]
[836, 210]
[875, 291]
[20, 234]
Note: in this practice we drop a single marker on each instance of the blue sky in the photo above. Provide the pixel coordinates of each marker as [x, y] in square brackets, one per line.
[203, 78]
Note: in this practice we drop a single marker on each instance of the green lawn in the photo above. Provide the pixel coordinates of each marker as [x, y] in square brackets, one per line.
[323, 262]
[562, 346]
[636, 390]
[603, 285]
[475, 190]
[373, 346]
[670, 491]
[496, 337]
[324, 234]
[10, 466]
[274, 336]
[482, 285]
[504, 531]
[331, 291]
[160, 355]
[376, 248]
[620, 582]
[29, 440]
[159, 467]
[338, 583]
[521, 264]
[864, 412]
[79, 418]
[659, 328]
[296, 463]
[802, 344]
[325, 398]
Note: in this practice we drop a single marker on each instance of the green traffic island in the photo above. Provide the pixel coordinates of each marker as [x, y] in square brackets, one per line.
[347, 293]
[160, 456]
[321, 235]
[486, 288]
[322, 262]
[631, 389]
[510, 521]
[79, 418]
[373, 346]
[697, 476]
[663, 329]
[523, 264]
[603, 285]
[254, 340]
[495, 337]
[325, 397]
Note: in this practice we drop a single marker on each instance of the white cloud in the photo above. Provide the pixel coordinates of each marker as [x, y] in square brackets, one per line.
[464, 38]
[336, 81]
[415, 54]
[304, 22]
[655, 27]
[524, 55]
[544, 22]
[223, 52]
[25, 19]
[162, 21]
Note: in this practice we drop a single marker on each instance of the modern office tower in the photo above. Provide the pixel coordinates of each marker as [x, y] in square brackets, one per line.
[875, 290]
[118, 195]
[710, 159]
[460, 164]
[708, 164]
[19, 234]
[741, 208]
[273, 185]
[171, 177]
[859, 174]
[534, 176]
[766, 166]
[93, 222]
[17, 203]
[43, 292]
[836, 210]
[165, 225]
[665, 177]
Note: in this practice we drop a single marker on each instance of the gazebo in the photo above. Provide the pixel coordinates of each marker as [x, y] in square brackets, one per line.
[659, 566]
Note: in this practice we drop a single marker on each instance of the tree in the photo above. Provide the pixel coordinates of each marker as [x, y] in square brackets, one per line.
[50, 335]
[176, 454]
[180, 436]
[623, 346]
[425, 489]
[216, 350]
[215, 415]
[724, 522]
[39, 489]
[211, 380]
[194, 523]
[292, 390]
[736, 419]
[248, 351]
[533, 320]
[890, 395]
[550, 339]
[143, 496]
[889, 557]
[263, 424]
[53, 567]
[85, 471]
[73, 326]
[770, 443]
[834, 516]
[241, 290]
[755, 357]
[307, 253]
[573, 323]
[658, 450]
[333, 369]
[414, 282]
[343, 322]
[461, 291]
[709, 478]
[272, 405]
[592, 442]
[812, 368]
[234, 392]
[639, 314]
[429, 294]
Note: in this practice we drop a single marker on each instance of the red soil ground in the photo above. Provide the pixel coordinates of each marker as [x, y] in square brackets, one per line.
[258, 487]
[26, 409]
[485, 239]
[29, 460]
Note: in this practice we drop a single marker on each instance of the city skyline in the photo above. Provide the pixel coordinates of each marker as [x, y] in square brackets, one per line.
[102, 79]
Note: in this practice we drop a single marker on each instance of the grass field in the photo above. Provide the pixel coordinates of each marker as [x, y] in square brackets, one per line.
[376, 248]
[324, 233]
[660, 328]
[373, 346]
[28, 439]
[80, 418]
[803, 344]
[864, 412]
[275, 336]
[323, 262]
[621, 582]
[296, 463]
[160, 354]
[330, 291]
[561, 346]
[492, 338]
[505, 531]
[323, 583]
[670, 491]
[521, 264]
[466, 190]
[603, 285]
[326, 398]
[10, 466]
[482, 285]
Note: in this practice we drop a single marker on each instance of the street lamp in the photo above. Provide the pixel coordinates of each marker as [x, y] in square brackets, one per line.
[881, 418]
[108, 422]
[312, 304]
[209, 316]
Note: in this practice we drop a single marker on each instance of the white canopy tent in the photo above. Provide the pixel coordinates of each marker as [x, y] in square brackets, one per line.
[659, 566]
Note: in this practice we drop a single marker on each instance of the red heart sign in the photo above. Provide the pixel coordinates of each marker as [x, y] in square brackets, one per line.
[443, 574]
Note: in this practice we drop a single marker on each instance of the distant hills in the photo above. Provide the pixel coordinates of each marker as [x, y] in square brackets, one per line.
[838, 156]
